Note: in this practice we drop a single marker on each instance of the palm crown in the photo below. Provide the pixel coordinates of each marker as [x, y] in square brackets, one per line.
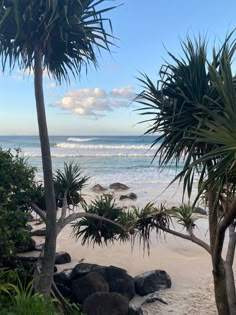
[67, 32]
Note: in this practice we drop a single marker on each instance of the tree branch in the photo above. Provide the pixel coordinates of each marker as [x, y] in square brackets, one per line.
[190, 237]
[39, 211]
[74, 216]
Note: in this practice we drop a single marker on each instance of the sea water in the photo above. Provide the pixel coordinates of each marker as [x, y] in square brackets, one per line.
[105, 159]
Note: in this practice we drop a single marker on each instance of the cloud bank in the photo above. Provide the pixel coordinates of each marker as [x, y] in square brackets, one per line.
[96, 103]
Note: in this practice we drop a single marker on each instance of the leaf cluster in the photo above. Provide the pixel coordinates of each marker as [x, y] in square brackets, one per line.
[68, 33]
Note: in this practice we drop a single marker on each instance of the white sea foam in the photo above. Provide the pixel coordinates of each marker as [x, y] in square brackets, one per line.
[65, 145]
[80, 139]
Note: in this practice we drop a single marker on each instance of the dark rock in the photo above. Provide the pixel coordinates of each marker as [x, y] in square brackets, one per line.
[82, 269]
[135, 310]
[131, 196]
[25, 246]
[98, 188]
[41, 232]
[118, 186]
[199, 210]
[64, 290]
[62, 258]
[63, 277]
[153, 297]
[152, 281]
[118, 280]
[87, 285]
[28, 227]
[102, 303]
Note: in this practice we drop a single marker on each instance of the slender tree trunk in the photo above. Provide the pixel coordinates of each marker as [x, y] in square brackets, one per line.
[219, 274]
[230, 284]
[44, 281]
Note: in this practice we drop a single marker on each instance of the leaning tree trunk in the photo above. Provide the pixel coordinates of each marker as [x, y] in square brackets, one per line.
[44, 281]
[219, 275]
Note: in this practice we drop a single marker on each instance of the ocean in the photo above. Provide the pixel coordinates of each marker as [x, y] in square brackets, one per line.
[105, 159]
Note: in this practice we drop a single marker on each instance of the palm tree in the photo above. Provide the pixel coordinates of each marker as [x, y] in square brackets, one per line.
[182, 103]
[58, 36]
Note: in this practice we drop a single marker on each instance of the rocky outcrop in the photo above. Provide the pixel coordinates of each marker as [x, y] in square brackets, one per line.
[83, 269]
[98, 188]
[135, 310]
[131, 196]
[152, 281]
[102, 303]
[82, 288]
[25, 246]
[118, 186]
[62, 258]
[40, 232]
[118, 280]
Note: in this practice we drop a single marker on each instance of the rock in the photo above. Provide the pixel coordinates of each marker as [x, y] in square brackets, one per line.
[135, 310]
[82, 269]
[118, 280]
[153, 297]
[152, 281]
[28, 227]
[62, 258]
[98, 188]
[41, 232]
[102, 303]
[62, 281]
[87, 285]
[25, 246]
[131, 196]
[199, 210]
[118, 186]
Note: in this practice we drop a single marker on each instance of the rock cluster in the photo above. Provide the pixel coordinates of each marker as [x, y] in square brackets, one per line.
[107, 290]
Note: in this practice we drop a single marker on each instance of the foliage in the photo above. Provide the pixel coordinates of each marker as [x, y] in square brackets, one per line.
[95, 231]
[181, 104]
[185, 217]
[19, 298]
[68, 32]
[16, 180]
[69, 181]
[134, 223]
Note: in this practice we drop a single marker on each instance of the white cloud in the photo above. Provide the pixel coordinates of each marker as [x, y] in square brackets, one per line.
[95, 103]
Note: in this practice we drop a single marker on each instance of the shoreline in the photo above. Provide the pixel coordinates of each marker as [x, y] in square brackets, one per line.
[188, 265]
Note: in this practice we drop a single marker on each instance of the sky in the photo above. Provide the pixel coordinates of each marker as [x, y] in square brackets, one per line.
[100, 101]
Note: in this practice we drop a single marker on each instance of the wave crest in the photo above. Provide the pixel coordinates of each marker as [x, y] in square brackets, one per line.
[80, 139]
[65, 145]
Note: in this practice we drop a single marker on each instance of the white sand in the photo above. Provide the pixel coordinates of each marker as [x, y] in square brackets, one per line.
[187, 264]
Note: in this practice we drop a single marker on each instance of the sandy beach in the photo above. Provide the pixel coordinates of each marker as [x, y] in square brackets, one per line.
[188, 265]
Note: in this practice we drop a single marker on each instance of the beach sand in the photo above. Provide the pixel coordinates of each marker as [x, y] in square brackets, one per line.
[188, 265]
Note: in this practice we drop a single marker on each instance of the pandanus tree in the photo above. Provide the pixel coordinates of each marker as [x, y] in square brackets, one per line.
[193, 98]
[59, 37]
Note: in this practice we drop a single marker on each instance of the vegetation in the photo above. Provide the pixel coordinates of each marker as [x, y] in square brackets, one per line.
[58, 37]
[193, 110]
[16, 180]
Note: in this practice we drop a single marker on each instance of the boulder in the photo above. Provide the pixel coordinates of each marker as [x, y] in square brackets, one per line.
[118, 186]
[152, 281]
[40, 232]
[131, 196]
[62, 258]
[118, 280]
[102, 303]
[87, 285]
[199, 210]
[62, 281]
[25, 246]
[135, 310]
[98, 188]
[82, 269]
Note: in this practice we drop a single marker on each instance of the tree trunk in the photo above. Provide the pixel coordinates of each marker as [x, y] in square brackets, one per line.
[219, 274]
[230, 284]
[44, 281]
[220, 291]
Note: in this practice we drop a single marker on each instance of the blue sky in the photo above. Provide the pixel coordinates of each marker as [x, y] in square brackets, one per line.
[99, 102]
